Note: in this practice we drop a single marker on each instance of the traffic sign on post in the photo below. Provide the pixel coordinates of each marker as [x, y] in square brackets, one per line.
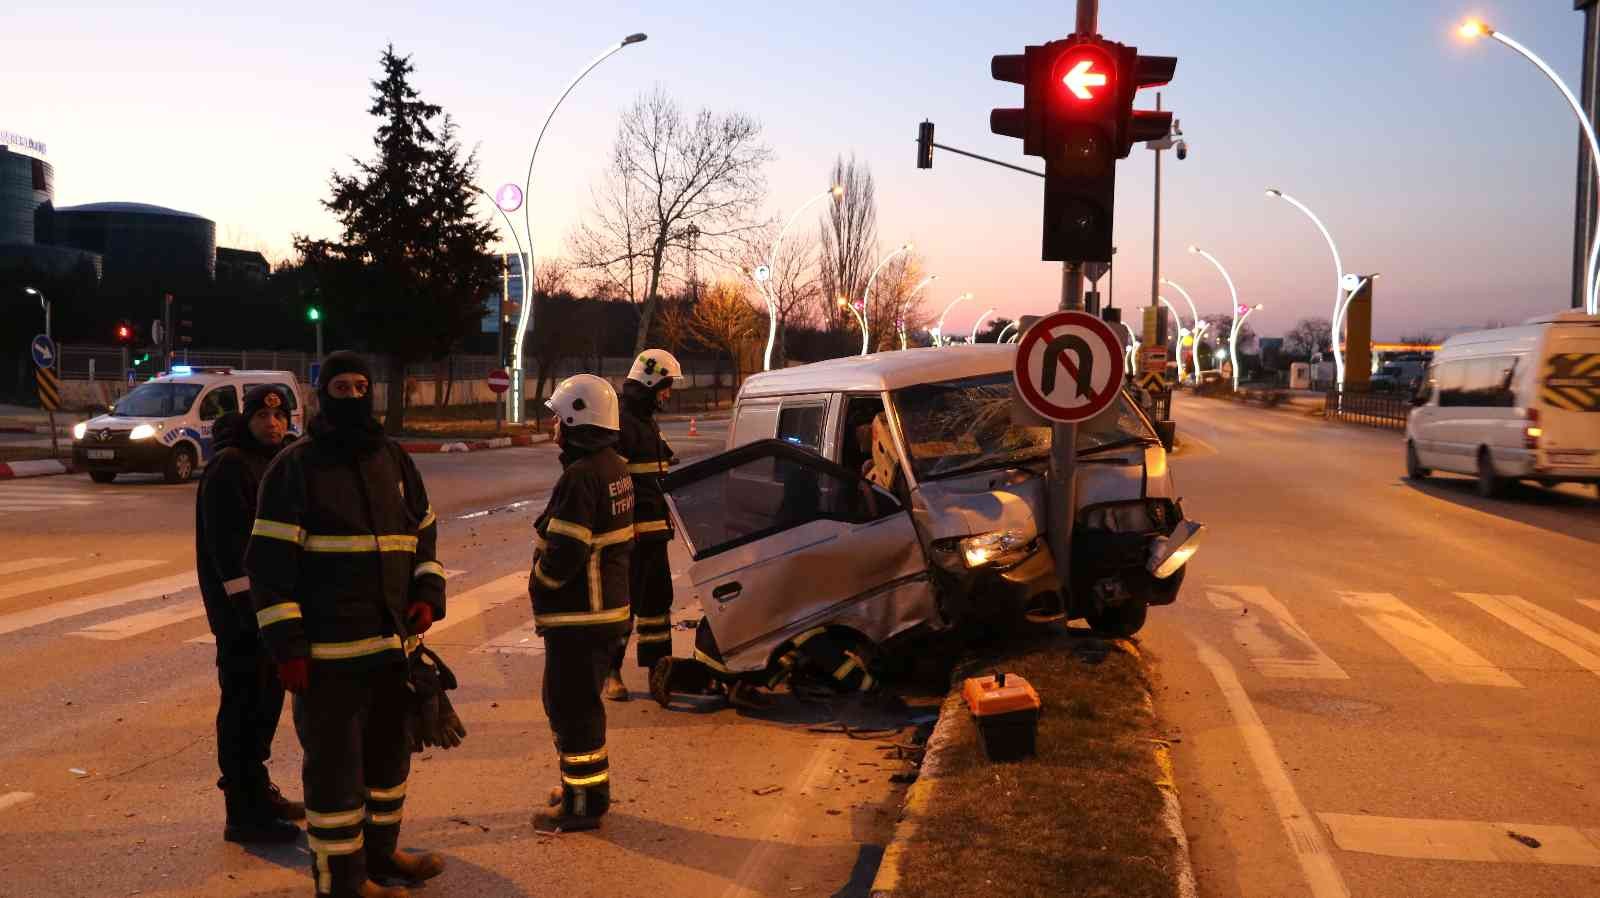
[44, 351]
[1069, 366]
[314, 372]
[499, 381]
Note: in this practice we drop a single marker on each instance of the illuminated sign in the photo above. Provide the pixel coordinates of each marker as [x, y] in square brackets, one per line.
[17, 141]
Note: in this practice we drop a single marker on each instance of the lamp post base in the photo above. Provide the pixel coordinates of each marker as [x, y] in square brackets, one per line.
[515, 404]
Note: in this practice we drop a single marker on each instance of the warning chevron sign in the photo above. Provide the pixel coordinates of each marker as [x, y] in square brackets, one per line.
[49, 388]
[1153, 382]
[1572, 381]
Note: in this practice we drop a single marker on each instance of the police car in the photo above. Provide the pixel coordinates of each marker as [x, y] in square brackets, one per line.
[164, 426]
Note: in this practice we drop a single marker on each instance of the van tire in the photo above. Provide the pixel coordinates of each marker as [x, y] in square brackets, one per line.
[1490, 484]
[1414, 468]
[102, 476]
[180, 464]
[1123, 620]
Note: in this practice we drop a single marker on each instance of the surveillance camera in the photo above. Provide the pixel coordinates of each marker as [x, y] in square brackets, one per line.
[1183, 150]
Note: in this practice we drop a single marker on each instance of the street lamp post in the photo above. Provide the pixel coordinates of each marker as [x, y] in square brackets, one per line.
[765, 281]
[978, 325]
[867, 296]
[1338, 277]
[861, 318]
[1194, 322]
[1591, 283]
[1200, 329]
[910, 296]
[1232, 291]
[1354, 284]
[517, 402]
[938, 329]
[43, 304]
[1233, 340]
[1178, 331]
[1006, 330]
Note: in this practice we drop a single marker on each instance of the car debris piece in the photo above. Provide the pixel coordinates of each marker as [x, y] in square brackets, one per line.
[1529, 841]
[768, 790]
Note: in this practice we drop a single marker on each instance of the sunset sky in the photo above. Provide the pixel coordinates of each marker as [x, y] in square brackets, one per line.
[1446, 166]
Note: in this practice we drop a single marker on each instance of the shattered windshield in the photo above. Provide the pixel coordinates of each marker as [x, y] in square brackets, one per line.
[962, 425]
[157, 401]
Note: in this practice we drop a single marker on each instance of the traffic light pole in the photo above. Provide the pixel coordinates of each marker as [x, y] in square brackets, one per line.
[1062, 478]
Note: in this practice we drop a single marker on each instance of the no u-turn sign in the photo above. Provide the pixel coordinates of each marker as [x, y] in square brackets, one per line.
[1069, 366]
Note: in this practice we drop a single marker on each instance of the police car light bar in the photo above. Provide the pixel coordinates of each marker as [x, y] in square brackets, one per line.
[181, 369]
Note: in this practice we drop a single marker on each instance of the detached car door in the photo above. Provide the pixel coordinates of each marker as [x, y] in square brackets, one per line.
[783, 540]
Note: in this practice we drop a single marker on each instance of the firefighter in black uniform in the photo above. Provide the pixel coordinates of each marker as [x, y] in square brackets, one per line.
[252, 697]
[579, 587]
[648, 387]
[343, 574]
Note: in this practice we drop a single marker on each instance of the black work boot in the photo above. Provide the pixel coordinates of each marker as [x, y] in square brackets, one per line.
[282, 808]
[252, 822]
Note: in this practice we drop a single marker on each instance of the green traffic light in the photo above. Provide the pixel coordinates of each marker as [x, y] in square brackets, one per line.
[313, 314]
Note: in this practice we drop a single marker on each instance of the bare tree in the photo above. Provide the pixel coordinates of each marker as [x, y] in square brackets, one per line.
[551, 276]
[1308, 337]
[670, 173]
[849, 239]
[892, 303]
[725, 319]
[673, 318]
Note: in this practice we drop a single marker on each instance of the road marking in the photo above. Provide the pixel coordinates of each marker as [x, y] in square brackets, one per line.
[28, 564]
[1276, 643]
[139, 624]
[1579, 644]
[519, 640]
[1590, 603]
[149, 589]
[473, 602]
[38, 584]
[1464, 840]
[209, 638]
[1305, 837]
[1441, 657]
[12, 799]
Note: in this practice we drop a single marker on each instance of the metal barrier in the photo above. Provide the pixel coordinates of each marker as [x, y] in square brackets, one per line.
[1370, 409]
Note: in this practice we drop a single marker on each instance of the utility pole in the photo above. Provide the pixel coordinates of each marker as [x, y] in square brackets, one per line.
[1583, 228]
[1155, 231]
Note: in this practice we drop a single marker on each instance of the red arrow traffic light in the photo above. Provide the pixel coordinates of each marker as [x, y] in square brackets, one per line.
[1082, 77]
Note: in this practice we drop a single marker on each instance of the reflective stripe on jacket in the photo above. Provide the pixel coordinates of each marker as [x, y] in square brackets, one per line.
[580, 565]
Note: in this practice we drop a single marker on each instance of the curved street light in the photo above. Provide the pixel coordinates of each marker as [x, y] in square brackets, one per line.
[1338, 276]
[1200, 329]
[976, 325]
[1178, 320]
[845, 303]
[901, 324]
[43, 304]
[1233, 340]
[1005, 330]
[1591, 283]
[834, 192]
[867, 296]
[938, 329]
[1354, 284]
[1194, 322]
[515, 395]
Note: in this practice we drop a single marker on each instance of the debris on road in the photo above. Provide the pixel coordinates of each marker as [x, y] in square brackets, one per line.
[1529, 841]
[78, 772]
[768, 790]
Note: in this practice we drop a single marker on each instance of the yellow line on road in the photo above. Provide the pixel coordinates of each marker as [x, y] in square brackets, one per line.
[1465, 840]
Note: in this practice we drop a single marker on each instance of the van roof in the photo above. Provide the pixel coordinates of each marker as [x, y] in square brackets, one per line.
[200, 375]
[883, 370]
[1526, 335]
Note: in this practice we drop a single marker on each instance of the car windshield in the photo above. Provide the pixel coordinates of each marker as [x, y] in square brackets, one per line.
[157, 401]
[962, 425]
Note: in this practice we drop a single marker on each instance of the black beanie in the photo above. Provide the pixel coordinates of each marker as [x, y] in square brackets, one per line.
[342, 362]
[265, 396]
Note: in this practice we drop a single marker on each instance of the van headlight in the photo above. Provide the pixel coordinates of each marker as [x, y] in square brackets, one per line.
[79, 429]
[142, 432]
[1168, 554]
[999, 549]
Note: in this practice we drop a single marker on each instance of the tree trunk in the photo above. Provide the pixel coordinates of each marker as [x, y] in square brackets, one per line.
[657, 260]
[395, 408]
[450, 379]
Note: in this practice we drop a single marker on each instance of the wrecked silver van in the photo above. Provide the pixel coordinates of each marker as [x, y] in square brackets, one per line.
[890, 494]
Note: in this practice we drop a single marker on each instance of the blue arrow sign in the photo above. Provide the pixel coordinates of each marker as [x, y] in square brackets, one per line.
[44, 351]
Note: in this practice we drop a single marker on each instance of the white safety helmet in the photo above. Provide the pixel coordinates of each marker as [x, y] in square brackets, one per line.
[584, 399]
[653, 366]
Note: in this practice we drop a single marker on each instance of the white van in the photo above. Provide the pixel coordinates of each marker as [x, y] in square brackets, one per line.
[164, 426]
[1515, 403]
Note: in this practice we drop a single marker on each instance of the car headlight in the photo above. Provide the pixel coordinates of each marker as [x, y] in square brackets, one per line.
[999, 548]
[142, 432]
[1169, 553]
[79, 429]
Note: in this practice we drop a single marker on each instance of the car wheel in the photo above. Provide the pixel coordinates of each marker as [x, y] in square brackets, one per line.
[1490, 485]
[1414, 468]
[1125, 619]
[180, 465]
[102, 476]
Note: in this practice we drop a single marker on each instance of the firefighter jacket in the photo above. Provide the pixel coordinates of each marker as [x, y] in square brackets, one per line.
[225, 510]
[583, 546]
[648, 456]
[343, 543]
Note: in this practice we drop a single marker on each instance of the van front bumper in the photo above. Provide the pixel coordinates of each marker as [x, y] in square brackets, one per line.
[125, 457]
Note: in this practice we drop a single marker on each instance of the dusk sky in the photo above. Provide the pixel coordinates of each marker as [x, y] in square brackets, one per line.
[1444, 165]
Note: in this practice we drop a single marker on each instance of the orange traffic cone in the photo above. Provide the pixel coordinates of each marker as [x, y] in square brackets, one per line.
[693, 431]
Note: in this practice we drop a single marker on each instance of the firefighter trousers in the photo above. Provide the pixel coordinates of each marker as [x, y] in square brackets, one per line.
[650, 590]
[576, 663]
[247, 715]
[353, 726]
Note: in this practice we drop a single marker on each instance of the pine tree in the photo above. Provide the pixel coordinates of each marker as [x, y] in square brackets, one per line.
[412, 267]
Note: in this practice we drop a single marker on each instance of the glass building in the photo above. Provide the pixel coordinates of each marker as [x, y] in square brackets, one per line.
[26, 183]
[507, 300]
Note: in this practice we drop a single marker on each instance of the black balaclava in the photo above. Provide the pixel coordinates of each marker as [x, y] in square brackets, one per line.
[345, 423]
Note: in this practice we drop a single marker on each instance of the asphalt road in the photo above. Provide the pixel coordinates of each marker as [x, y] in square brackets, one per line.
[106, 757]
[1381, 689]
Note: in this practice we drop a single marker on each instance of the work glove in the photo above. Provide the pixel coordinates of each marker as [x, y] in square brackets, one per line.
[295, 675]
[433, 719]
[419, 617]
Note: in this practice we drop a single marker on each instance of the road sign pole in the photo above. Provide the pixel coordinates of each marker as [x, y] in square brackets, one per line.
[1062, 478]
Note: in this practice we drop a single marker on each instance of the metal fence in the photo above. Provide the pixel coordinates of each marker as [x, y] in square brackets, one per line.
[1369, 409]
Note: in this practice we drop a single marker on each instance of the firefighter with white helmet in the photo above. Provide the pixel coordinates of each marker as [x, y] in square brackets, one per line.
[579, 587]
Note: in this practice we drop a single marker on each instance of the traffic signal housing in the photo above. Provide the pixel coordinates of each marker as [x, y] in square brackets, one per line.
[124, 333]
[925, 145]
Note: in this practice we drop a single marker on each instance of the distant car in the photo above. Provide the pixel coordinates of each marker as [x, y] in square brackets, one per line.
[786, 534]
[1401, 375]
[164, 426]
[1515, 403]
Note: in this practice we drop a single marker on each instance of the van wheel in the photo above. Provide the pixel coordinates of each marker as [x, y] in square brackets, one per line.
[1120, 620]
[1414, 468]
[180, 465]
[1490, 485]
[102, 476]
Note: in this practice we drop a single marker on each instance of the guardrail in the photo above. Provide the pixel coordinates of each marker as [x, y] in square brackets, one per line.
[1370, 409]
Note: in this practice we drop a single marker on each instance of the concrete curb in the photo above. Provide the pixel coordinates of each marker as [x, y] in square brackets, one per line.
[1172, 810]
[44, 467]
[423, 448]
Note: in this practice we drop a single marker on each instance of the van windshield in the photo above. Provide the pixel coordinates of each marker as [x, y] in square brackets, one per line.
[157, 401]
[961, 425]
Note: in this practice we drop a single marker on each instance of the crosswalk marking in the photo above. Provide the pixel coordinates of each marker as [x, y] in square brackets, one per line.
[1440, 656]
[208, 638]
[1276, 643]
[519, 640]
[122, 595]
[12, 799]
[95, 572]
[473, 602]
[144, 622]
[1579, 644]
[1464, 840]
[28, 564]
[1590, 603]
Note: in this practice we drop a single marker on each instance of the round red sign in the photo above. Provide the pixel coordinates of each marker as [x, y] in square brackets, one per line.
[1069, 366]
[499, 380]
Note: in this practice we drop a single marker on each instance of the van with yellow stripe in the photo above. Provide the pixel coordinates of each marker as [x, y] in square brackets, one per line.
[1513, 403]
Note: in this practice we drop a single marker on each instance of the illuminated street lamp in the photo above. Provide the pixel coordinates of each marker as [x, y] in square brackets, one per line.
[867, 296]
[978, 325]
[514, 396]
[1353, 284]
[860, 317]
[43, 304]
[1194, 322]
[1199, 332]
[1181, 330]
[1591, 284]
[1232, 292]
[1338, 276]
[1006, 330]
[938, 329]
[763, 274]
[1233, 338]
[901, 324]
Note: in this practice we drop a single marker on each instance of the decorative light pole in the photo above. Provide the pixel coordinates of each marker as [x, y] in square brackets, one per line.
[1232, 292]
[978, 325]
[901, 324]
[1180, 330]
[1338, 276]
[509, 201]
[1233, 339]
[1006, 330]
[845, 303]
[763, 274]
[867, 296]
[43, 304]
[1353, 285]
[1591, 277]
[1194, 322]
[938, 329]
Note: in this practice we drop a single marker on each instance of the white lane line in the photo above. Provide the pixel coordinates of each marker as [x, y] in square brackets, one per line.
[1305, 837]
[52, 581]
[519, 640]
[149, 589]
[1580, 645]
[28, 564]
[1441, 657]
[1590, 603]
[473, 602]
[1464, 840]
[211, 638]
[139, 624]
[12, 799]
[8, 509]
[1276, 643]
